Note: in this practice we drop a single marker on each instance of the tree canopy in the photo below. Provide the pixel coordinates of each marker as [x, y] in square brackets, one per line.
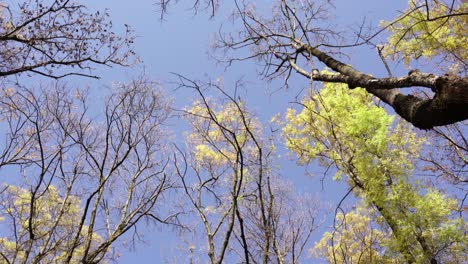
[296, 38]
[348, 131]
[42, 36]
[362, 166]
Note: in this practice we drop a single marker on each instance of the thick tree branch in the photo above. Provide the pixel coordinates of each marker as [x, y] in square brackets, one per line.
[448, 105]
[415, 78]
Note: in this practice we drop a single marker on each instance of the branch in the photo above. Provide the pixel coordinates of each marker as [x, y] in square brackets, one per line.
[415, 78]
[449, 104]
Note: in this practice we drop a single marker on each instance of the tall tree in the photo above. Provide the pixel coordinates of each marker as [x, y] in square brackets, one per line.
[376, 155]
[345, 129]
[248, 214]
[82, 181]
[297, 37]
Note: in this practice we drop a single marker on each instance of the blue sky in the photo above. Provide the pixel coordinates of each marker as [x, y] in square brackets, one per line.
[181, 44]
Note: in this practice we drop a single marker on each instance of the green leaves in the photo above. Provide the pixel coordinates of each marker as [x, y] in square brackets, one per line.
[347, 130]
[338, 125]
[430, 31]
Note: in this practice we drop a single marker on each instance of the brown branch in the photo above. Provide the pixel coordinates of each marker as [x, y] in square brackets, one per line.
[449, 104]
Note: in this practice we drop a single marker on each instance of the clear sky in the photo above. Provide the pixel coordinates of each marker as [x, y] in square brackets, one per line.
[181, 44]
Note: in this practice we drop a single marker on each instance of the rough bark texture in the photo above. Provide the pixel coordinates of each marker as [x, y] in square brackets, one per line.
[448, 105]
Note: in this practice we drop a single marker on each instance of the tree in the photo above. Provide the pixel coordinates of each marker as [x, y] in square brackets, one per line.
[54, 213]
[417, 222]
[358, 238]
[85, 181]
[58, 38]
[447, 155]
[247, 213]
[433, 30]
[283, 41]
[355, 239]
[297, 37]
[345, 129]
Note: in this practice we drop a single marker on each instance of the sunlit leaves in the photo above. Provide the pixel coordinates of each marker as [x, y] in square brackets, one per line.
[219, 134]
[338, 126]
[431, 29]
[232, 185]
[345, 129]
[53, 225]
[356, 239]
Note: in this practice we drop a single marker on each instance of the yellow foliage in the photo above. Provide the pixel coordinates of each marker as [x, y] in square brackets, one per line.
[218, 135]
[355, 240]
[345, 129]
[55, 223]
[414, 36]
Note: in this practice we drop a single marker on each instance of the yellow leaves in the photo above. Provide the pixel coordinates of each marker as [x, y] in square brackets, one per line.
[218, 134]
[203, 151]
[354, 240]
[9, 91]
[434, 207]
[55, 218]
[206, 154]
[344, 128]
[339, 124]
[7, 245]
[275, 118]
[46, 206]
[413, 36]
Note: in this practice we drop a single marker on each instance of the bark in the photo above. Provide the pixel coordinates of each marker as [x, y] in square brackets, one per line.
[448, 105]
